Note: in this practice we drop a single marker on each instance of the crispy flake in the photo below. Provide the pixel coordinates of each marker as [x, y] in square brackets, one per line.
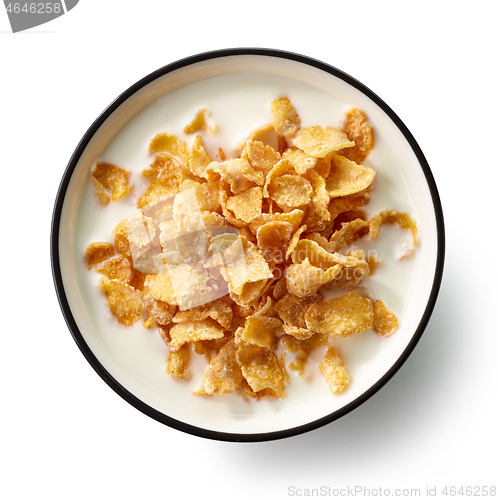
[261, 331]
[178, 363]
[247, 205]
[286, 121]
[260, 156]
[290, 192]
[403, 219]
[347, 315]
[384, 323]
[346, 177]
[219, 310]
[165, 174]
[97, 252]
[119, 268]
[261, 368]
[168, 143]
[124, 301]
[292, 311]
[111, 178]
[200, 123]
[198, 159]
[359, 132]
[332, 368]
[223, 374]
[193, 331]
[238, 173]
[304, 279]
[318, 142]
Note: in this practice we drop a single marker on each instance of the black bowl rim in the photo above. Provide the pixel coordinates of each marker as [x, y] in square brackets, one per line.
[131, 398]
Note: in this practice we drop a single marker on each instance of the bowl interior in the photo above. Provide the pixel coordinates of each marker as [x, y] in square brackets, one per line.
[237, 90]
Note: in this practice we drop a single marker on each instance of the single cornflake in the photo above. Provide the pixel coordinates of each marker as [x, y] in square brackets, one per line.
[193, 331]
[290, 192]
[237, 172]
[359, 132]
[402, 219]
[261, 368]
[178, 363]
[198, 159]
[272, 239]
[318, 142]
[247, 205]
[200, 123]
[286, 121]
[119, 268]
[219, 310]
[347, 315]
[97, 252]
[332, 368]
[385, 323]
[304, 279]
[261, 331]
[168, 143]
[223, 374]
[124, 301]
[346, 177]
[292, 311]
[349, 233]
[261, 156]
[111, 178]
[165, 174]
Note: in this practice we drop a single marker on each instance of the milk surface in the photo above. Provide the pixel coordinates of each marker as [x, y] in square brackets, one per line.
[238, 104]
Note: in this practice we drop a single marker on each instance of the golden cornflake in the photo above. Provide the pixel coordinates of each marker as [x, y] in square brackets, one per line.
[112, 178]
[238, 173]
[247, 205]
[119, 268]
[95, 253]
[346, 177]
[200, 123]
[178, 363]
[124, 301]
[359, 132]
[318, 142]
[272, 238]
[165, 174]
[403, 219]
[349, 233]
[286, 121]
[168, 143]
[261, 368]
[384, 323]
[292, 311]
[347, 315]
[193, 331]
[198, 159]
[223, 374]
[261, 331]
[290, 192]
[332, 368]
[304, 279]
[260, 156]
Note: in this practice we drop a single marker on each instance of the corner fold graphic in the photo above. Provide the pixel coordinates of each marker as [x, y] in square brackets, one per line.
[24, 15]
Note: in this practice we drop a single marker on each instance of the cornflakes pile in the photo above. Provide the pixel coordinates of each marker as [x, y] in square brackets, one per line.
[231, 259]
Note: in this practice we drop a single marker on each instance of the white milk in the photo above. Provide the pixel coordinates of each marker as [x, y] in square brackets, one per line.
[238, 104]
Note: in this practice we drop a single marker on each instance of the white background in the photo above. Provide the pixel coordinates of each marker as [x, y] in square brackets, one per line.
[65, 434]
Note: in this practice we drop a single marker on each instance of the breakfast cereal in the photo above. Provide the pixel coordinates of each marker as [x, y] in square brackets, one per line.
[232, 259]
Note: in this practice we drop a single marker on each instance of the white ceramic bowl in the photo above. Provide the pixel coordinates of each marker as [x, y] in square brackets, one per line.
[131, 361]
